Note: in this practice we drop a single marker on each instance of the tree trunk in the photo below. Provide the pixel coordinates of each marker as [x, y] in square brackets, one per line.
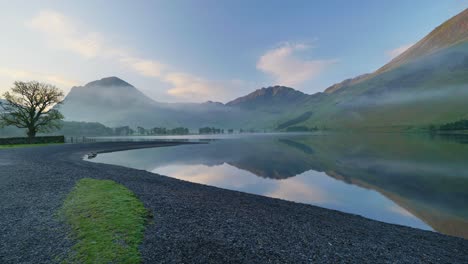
[31, 134]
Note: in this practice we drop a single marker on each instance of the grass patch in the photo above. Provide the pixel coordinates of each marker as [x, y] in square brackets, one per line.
[26, 145]
[107, 221]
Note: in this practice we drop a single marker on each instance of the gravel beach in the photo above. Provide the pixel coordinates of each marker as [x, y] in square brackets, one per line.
[195, 223]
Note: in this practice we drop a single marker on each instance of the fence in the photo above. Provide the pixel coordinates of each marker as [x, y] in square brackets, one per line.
[34, 140]
[79, 140]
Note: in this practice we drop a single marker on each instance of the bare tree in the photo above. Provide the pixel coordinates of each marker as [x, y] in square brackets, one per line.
[30, 105]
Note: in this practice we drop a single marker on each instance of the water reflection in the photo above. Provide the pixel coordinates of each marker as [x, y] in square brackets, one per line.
[418, 181]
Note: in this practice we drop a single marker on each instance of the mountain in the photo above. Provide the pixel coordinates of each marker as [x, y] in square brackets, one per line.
[278, 96]
[108, 92]
[426, 85]
[114, 102]
[454, 31]
[347, 82]
[109, 101]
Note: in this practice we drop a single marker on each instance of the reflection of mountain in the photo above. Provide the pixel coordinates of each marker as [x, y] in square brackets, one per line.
[263, 157]
[439, 220]
[268, 159]
[428, 178]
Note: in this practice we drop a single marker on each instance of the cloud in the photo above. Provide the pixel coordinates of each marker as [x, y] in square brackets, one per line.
[144, 67]
[66, 33]
[395, 52]
[192, 88]
[287, 68]
[21, 75]
[187, 85]
[70, 35]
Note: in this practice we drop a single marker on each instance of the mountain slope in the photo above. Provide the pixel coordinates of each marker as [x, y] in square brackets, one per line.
[108, 100]
[108, 92]
[426, 85]
[347, 82]
[274, 96]
[450, 33]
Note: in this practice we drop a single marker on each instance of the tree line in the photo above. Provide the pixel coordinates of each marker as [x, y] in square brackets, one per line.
[457, 125]
[128, 131]
[33, 106]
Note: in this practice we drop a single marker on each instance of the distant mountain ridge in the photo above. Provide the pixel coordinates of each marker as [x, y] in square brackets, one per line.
[110, 90]
[346, 82]
[109, 82]
[113, 102]
[265, 96]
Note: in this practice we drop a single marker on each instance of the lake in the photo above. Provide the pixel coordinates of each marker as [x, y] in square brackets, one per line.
[419, 181]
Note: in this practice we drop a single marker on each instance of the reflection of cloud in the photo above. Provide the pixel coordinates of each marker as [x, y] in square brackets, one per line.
[399, 210]
[229, 177]
[225, 176]
[295, 190]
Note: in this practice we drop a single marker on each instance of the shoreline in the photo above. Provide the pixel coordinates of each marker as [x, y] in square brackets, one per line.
[197, 223]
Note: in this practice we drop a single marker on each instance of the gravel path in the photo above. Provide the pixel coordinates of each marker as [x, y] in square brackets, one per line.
[195, 223]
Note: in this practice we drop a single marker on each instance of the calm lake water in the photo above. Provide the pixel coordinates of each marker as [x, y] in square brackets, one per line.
[411, 180]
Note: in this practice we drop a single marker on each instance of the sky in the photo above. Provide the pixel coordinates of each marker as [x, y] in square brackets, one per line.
[200, 50]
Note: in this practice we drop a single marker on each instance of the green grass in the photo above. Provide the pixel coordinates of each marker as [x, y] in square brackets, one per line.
[26, 145]
[107, 222]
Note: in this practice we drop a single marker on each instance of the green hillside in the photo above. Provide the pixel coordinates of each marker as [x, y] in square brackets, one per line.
[426, 85]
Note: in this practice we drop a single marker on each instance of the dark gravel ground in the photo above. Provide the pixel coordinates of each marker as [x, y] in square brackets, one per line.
[195, 223]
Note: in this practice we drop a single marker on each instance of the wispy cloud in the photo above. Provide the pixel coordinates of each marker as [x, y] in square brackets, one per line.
[68, 34]
[148, 68]
[284, 64]
[397, 51]
[189, 87]
[16, 74]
